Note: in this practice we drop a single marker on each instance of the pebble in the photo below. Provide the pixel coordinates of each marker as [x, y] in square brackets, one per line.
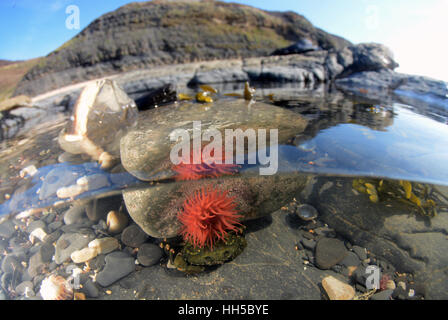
[83, 255]
[98, 262]
[337, 290]
[118, 265]
[149, 254]
[350, 260]
[26, 287]
[36, 225]
[329, 251]
[7, 229]
[10, 264]
[382, 295]
[30, 170]
[68, 243]
[49, 217]
[74, 214]
[402, 284]
[70, 191]
[390, 284]
[38, 261]
[90, 289]
[116, 221]
[133, 236]
[360, 252]
[104, 245]
[101, 226]
[38, 233]
[308, 244]
[54, 226]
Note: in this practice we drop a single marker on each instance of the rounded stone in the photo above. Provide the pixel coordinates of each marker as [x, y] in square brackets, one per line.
[133, 236]
[118, 265]
[149, 254]
[329, 251]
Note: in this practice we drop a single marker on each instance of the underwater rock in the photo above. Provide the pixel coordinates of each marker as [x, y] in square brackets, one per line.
[337, 290]
[102, 114]
[155, 209]
[118, 265]
[145, 149]
[329, 251]
[116, 221]
[149, 254]
[133, 236]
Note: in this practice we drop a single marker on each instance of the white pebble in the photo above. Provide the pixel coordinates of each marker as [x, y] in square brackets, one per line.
[104, 245]
[337, 290]
[83, 255]
[38, 233]
[93, 182]
[30, 170]
[70, 191]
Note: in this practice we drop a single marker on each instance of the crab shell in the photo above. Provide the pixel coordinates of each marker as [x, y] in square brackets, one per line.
[56, 288]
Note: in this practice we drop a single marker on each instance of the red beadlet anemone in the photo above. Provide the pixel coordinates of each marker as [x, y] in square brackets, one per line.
[207, 216]
[205, 169]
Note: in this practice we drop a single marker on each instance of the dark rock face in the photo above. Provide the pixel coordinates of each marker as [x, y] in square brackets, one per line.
[301, 46]
[154, 33]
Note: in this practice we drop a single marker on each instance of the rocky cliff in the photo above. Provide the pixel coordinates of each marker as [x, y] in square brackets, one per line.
[140, 35]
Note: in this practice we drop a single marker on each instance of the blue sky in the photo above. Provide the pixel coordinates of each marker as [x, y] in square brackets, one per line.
[415, 30]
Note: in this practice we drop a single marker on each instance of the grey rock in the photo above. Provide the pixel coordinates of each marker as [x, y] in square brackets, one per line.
[20, 253]
[98, 262]
[372, 57]
[351, 259]
[149, 254]
[301, 46]
[118, 265]
[101, 226]
[49, 217]
[329, 252]
[308, 244]
[360, 252]
[23, 287]
[133, 236]
[382, 295]
[70, 242]
[69, 157]
[40, 259]
[74, 214]
[7, 229]
[54, 226]
[90, 289]
[10, 264]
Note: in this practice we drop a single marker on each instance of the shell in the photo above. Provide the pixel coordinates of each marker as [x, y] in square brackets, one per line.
[56, 288]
